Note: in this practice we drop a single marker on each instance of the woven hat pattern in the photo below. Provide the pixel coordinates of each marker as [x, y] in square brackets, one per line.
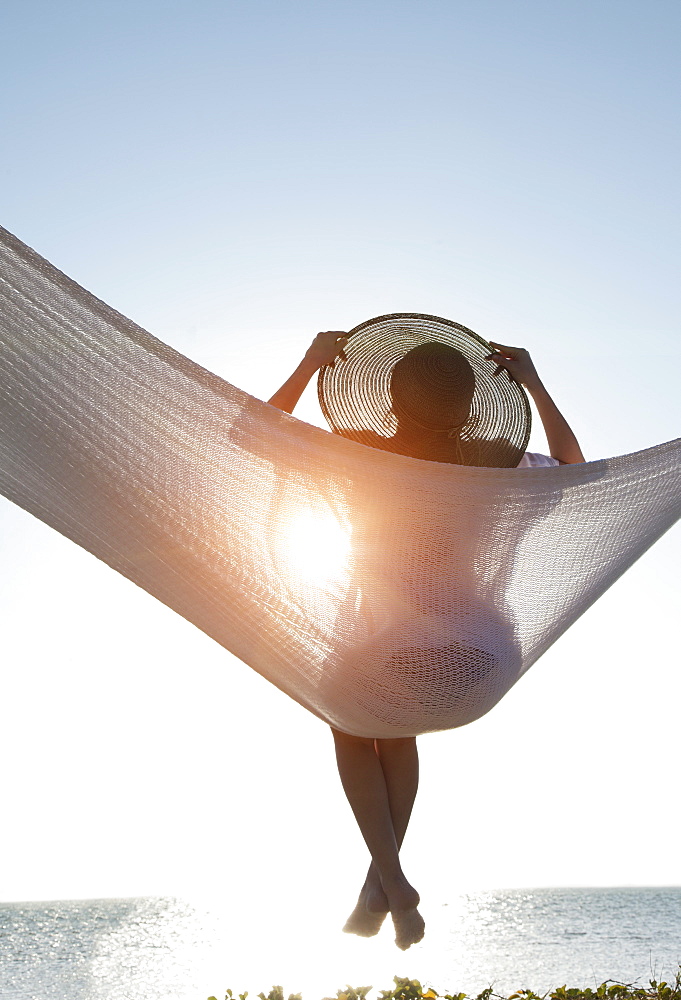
[356, 393]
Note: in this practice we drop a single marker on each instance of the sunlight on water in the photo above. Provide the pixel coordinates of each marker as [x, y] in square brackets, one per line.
[168, 949]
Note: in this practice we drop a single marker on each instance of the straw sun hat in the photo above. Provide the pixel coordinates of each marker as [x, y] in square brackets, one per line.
[421, 386]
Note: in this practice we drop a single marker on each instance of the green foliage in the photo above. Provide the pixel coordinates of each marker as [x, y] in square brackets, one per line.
[411, 989]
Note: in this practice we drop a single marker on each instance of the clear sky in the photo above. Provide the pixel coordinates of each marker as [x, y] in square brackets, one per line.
[236, 176]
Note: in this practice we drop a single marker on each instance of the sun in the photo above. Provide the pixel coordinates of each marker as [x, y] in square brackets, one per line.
[317, 546]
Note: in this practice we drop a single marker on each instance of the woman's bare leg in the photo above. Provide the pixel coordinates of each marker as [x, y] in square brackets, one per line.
[378, 779]
[400, 763]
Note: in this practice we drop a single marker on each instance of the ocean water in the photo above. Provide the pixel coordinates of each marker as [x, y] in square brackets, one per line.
[169, 949]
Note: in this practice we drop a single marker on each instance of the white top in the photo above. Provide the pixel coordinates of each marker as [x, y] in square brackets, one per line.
[532, 460]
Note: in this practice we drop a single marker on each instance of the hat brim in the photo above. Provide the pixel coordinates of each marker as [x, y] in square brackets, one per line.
[354, 394]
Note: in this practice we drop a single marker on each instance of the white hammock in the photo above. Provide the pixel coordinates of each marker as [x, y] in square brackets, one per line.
[388, 595]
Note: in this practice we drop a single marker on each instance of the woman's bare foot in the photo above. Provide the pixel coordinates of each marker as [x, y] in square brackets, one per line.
[409, 925]
[374, 904]
[371, 910]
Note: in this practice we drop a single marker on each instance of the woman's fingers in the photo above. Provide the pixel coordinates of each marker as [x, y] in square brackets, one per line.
[341, 356]
[332, 337]
[500, 369]
[516, 361]
[327, 346]
[509, 352]
[504, 357]
[338, 345]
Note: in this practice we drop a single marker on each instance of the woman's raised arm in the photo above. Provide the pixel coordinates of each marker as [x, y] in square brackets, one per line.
[562, 442]
[323, 350]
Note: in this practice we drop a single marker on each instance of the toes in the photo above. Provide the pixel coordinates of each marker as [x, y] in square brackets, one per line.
[409, 928]
[368, 926]
[363, 922]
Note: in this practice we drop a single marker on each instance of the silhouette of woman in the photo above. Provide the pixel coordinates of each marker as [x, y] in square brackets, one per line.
[380, 776]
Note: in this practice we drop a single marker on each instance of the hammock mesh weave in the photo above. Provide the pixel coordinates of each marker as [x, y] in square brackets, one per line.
[388, 595]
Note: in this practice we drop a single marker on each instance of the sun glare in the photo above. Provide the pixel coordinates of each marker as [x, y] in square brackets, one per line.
[317, 546]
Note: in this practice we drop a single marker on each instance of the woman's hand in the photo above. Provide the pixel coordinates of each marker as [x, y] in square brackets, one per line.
[563, 444]
[324, 350]
[518, 363]
[326, 347]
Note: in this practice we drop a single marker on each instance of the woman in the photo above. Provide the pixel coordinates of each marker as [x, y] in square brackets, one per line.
[380, 777]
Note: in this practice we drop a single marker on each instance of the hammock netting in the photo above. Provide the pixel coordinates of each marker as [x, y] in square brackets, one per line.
[388, 595]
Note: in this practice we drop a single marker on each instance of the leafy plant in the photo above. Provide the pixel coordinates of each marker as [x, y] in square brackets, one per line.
[411, 989]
